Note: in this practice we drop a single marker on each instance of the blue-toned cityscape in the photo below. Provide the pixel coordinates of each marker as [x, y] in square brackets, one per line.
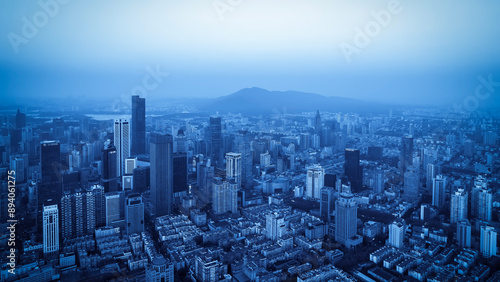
[261, 141]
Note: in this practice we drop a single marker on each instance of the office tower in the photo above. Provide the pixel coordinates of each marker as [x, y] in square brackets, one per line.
[330, 179]
[431, 174]
[275, 226]
[315, 181]
[180, 142]
[438, 190]
[242, 146]
[138, 125]
[100, 204]
[216, 140]
[130, 165]
[464, 234]
[233, 167]
[122, 144]
[180, 175]
[265, 160]
[396, 234]
[327, 203]
[113, 203]
[50, 231]
[162, 174]
[353, 170]
[134, 214]
[304, 141]
[345, 218]
[411, 183]
[224, 196]
[50, 186]
[109, 167]
[379, 181]
[488, 241]
[318, 126]
[458, 206]
[20, 119]
[160, 269]
[141, 180]
[484, 204]
[406, 153]
[204, 177]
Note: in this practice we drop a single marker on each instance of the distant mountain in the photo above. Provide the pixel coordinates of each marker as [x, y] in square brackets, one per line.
[261, 101]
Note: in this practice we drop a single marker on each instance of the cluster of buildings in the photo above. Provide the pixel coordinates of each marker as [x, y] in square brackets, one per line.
[310, 197]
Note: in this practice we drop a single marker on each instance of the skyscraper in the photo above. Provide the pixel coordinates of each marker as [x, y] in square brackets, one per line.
[315, 181]
[488, 241]
[100, 204]
[109, 167]
[464, 234]
[134, 214]
[160, 269]
[50, 188]
[345, 218]
[431, 174]
[406, 153]
[379, 181]
[122, 144]
[138, 125]
[438, 190]
[458, 206]
[113, 202]
[327, 203]
[318, 127]
[411, 183]
[162, 174]
[242, 145]
[216, 140]
[50, 231]
[233, 167]
[78, 214]
[396, 234]
[180, 175]
[353, 170]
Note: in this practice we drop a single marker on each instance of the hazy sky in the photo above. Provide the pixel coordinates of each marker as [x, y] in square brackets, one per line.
[427, 51]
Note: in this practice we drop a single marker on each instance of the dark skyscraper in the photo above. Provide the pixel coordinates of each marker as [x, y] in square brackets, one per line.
[406, 153]
[353, 169]
[20, 120]
[317, 124]
[109, 160]
[162, 180]
[50, 186]
[138, 125]
[216, 140]
[180, 175]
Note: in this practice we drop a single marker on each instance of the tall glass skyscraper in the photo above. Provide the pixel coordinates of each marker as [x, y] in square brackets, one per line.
[50, 188]
[138, 125]
[353, 169]
[216, 140]
[122, 144]
[162, 173]
[109, 164]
